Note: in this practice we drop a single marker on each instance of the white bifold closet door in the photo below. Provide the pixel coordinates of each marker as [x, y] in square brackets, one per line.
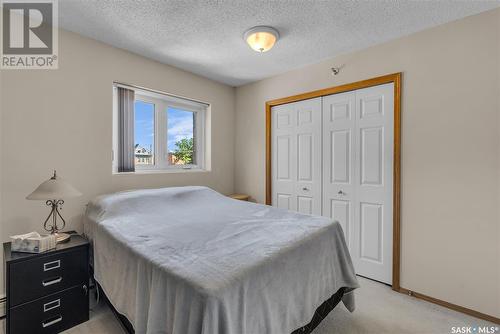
[296, 158]
[357, 174]
[333, 156]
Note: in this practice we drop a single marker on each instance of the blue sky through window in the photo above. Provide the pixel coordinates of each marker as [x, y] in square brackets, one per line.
[144, 125]
[180, 125]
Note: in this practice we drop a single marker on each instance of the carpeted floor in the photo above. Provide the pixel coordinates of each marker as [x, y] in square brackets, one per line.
[378, 310]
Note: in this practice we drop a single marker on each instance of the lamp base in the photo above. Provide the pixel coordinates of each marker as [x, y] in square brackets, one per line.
[62, 237]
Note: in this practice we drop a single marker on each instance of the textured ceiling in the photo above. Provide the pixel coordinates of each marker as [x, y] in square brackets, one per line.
[205, 37]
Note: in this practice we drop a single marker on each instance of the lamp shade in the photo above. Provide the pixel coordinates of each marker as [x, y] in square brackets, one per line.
[52, 189]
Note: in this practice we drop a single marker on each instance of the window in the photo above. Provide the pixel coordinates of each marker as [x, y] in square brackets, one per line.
[144, 134]
[181, 130]
[168, 132]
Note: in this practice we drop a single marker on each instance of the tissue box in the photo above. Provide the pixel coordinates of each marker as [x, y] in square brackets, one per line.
[32, 242]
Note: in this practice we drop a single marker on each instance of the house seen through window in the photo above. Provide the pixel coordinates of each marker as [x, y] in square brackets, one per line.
[144, 133]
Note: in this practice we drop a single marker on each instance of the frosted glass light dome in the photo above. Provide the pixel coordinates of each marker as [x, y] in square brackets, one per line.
[261, 38]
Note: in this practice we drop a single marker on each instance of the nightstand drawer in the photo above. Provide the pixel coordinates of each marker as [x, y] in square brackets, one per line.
[51, 314]
[44, 275]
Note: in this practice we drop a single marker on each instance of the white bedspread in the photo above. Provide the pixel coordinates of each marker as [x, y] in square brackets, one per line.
[190, 260]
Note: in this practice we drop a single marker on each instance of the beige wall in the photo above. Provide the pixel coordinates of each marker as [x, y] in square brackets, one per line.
[450, 158]
[63, 118]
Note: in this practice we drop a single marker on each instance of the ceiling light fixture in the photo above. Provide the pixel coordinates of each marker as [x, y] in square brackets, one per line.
[261, 38]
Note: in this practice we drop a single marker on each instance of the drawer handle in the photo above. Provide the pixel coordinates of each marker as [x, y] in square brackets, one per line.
[52, 265]
[51, 305]
[52, 321]
[52, 281]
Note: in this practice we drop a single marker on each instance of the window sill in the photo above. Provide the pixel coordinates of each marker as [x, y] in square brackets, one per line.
[164, 171]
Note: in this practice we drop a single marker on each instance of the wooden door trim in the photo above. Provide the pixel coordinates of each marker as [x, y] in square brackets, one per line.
[391, 78]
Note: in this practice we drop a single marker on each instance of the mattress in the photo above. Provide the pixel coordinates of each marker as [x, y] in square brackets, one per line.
[190, 260]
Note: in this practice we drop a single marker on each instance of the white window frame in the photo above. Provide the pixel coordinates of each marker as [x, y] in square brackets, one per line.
[161, 104]
[199, 135]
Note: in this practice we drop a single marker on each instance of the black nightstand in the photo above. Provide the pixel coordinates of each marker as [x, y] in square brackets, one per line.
[47, 292]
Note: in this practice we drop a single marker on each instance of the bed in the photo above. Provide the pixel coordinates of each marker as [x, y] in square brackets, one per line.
[189, 260]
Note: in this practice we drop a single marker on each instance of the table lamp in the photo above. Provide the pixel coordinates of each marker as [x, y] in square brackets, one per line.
[54, 191]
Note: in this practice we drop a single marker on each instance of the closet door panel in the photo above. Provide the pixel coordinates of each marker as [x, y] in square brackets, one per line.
[283, 201]
[284, 170]
[372, 228]
[357, 174]
[308, 134]
[372, 156]
[338, 159]
[341, 211]
[305, 157]
[371, 231]
[296, 145]
[340, 164]
[283, 154]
